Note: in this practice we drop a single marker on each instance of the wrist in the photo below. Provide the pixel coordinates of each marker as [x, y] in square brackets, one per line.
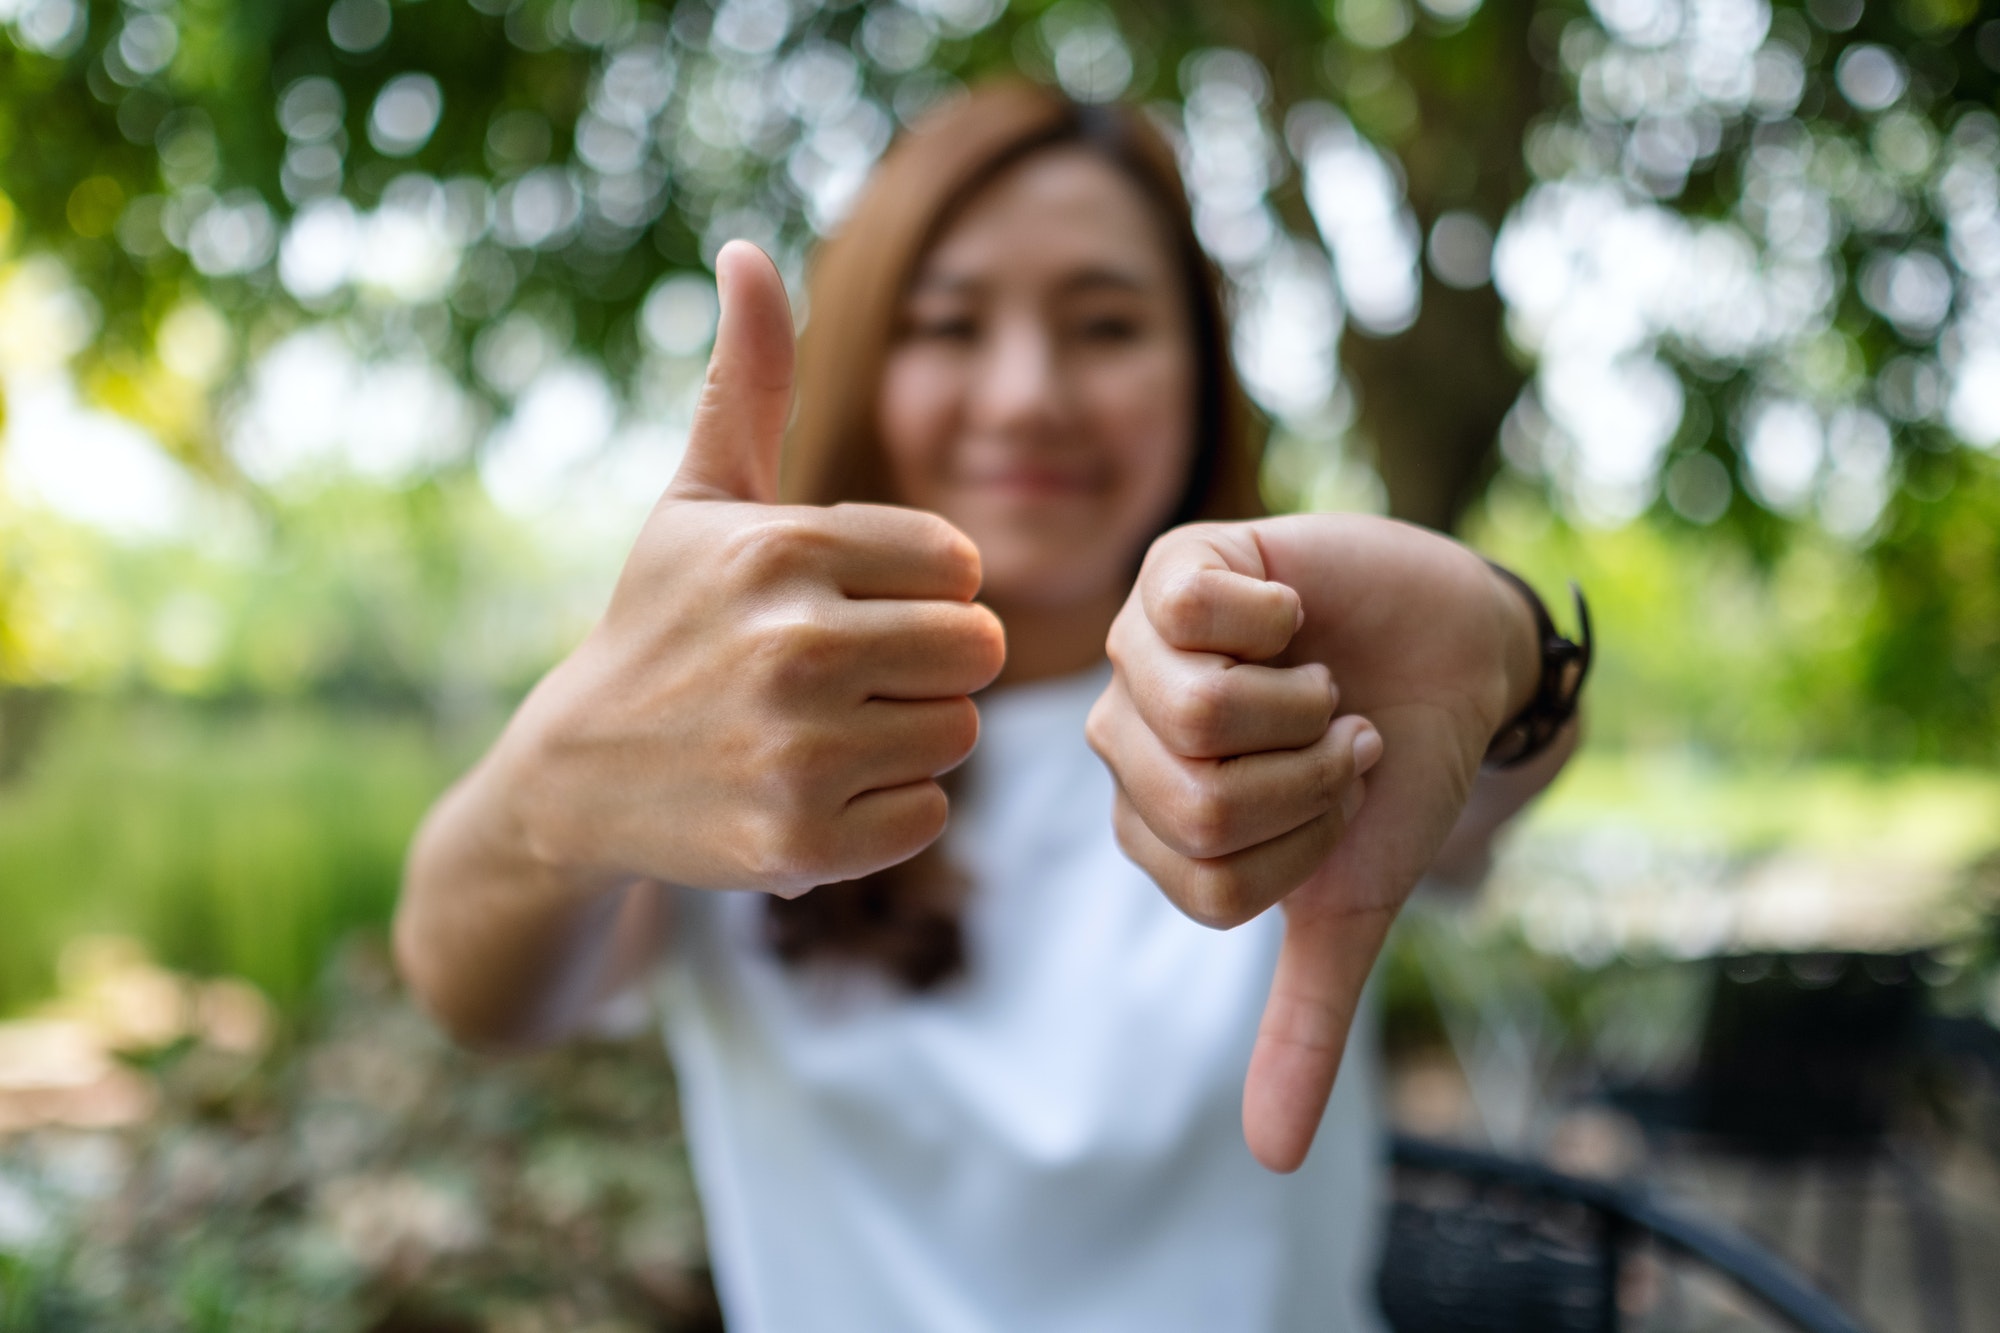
[535, 830]
[1560, 667]
[1521, 644]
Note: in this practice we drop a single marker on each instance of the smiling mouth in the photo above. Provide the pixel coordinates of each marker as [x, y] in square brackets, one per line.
[1033, 483]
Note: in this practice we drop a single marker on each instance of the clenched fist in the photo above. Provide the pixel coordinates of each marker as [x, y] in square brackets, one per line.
[1259, 670]
[774, 688]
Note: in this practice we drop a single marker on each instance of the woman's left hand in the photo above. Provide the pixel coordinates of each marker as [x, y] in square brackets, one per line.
[1419, 653]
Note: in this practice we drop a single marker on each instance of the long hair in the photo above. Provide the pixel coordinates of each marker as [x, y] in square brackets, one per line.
[905, 920]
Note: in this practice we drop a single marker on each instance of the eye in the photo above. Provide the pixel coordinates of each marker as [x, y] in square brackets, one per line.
[1108, 329]
[952, 328]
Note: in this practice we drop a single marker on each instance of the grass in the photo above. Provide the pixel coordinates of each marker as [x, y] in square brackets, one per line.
[241, 842]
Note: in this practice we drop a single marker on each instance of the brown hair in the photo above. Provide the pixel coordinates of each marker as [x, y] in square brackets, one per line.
[905, 919]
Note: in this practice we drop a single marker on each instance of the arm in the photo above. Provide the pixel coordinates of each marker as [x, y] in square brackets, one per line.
[504, 948]
[764, 706]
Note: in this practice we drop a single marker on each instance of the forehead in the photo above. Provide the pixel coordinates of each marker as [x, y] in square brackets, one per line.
[1056, 212]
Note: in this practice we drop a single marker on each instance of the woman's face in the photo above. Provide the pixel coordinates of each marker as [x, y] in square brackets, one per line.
[1041, 391]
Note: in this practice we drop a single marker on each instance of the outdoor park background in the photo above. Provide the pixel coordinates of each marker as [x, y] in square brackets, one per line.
[343, 349]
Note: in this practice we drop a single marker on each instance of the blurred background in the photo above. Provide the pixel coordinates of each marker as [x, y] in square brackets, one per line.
[343, 350]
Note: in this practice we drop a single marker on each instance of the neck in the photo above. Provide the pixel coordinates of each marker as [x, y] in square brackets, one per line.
[1048, 641]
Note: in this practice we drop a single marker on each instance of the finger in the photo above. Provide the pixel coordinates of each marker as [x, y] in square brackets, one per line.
[827, 763]
[1322, 967]
[900, 742]
[881, 828]
[1203, 608]
[1226, 891]
[1207, 706]
[1203, 808]
[739, 424]
[923, 650]
[886, 551]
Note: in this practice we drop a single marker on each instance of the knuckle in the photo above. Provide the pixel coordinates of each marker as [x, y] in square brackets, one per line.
[1118, 644]
[1216, 896]
[779, 851]
[1326, 690]
[1198, 717]
[1330, 777]
[797, 762]
[1129, 829]
[795, 650]
[1333, 774]
[1185, 608]
[1098, 729]
[1203, 820]
[775, 548]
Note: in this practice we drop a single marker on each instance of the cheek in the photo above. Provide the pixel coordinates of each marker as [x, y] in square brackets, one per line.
[918, 418]
[1143, 411]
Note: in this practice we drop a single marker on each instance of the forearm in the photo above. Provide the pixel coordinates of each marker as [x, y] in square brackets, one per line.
[503, 949]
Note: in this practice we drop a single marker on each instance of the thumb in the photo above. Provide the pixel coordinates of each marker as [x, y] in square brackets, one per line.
[1322, 967]
[739, 424]
[1337, 922]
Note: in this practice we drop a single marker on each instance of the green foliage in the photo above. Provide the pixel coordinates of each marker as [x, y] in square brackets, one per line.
[237, 842]
[1871, 189]
[1929, 650]
[1822, 650]
[415, 596]
[32, 1302]
[583, 151]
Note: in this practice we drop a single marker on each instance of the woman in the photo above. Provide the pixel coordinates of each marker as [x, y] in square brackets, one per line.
[988, 1080]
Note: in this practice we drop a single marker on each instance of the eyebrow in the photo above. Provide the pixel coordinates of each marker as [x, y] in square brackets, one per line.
[1098, 277]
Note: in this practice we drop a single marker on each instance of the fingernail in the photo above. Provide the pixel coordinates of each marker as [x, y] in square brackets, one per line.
[1367, 749]
[1299, 620]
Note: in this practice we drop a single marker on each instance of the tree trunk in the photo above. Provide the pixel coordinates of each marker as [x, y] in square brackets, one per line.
[1433, 396]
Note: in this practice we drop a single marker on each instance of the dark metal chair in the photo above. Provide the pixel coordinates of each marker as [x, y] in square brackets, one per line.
[1485, 1244]
[1804, 1064]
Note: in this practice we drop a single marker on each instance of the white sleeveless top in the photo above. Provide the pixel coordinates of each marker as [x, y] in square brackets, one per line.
[1052, 1141]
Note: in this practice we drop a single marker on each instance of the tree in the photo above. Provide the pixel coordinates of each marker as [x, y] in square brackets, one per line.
[217, 176]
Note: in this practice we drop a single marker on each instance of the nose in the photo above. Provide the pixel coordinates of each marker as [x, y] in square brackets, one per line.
[1021, 388]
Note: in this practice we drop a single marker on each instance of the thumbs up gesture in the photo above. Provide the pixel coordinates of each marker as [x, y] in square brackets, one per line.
[1260, 670]
[773, 688]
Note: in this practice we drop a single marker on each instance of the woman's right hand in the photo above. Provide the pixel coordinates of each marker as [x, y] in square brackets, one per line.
[774, 688]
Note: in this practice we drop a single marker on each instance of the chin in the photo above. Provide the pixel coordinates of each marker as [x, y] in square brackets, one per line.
[1049, 554]
[1049, 580]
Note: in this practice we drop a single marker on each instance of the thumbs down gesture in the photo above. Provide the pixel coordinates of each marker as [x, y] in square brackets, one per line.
[1297, 712]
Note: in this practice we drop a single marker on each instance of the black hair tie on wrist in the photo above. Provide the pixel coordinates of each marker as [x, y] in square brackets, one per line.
[1565, 663]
